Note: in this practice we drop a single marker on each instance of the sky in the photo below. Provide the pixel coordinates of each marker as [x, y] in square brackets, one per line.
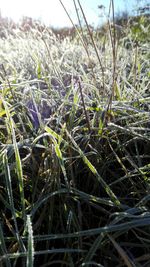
[52, 13]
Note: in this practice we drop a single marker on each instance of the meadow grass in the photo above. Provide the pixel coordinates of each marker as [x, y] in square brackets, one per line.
[74, 148]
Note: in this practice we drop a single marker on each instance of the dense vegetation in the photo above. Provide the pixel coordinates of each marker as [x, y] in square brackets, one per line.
[75, 145]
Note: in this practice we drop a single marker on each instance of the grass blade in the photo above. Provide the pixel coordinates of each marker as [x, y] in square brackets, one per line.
[94, 171]
[30, 250]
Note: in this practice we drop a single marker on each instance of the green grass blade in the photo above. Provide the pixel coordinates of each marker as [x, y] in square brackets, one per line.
[10, 196]
[94, 171]
[96, 245]
[43, 252]
[61, 162]
[30, 250]
[45, 198]
[124, 227]
[3, 248]
[18, 160]
[58, 152]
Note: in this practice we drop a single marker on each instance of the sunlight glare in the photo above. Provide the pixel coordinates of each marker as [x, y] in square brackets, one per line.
[50, 12]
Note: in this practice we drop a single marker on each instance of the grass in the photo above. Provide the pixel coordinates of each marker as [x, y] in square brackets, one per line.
[74, 148]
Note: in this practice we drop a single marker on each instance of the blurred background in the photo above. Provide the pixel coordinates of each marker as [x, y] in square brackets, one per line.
[52, 13]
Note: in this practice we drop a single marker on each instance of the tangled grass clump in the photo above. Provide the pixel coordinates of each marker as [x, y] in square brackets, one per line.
[74, 151]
